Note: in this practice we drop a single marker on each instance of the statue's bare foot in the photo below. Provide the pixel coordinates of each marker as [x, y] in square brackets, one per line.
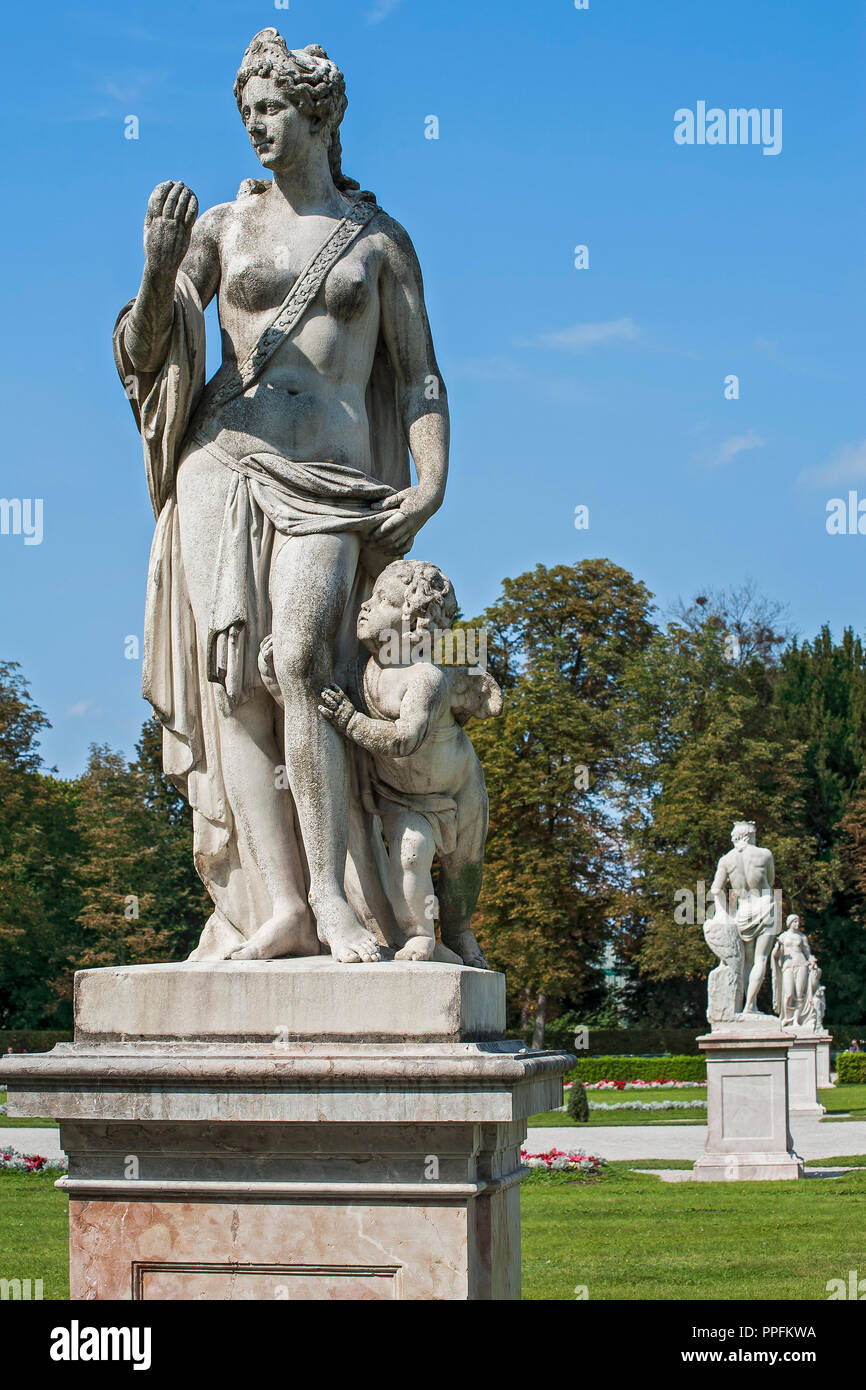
[417, 948]
[342, 933]
[284, 934]
[467, 948]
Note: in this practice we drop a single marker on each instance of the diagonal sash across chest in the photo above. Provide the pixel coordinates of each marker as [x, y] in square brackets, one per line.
[294, 306]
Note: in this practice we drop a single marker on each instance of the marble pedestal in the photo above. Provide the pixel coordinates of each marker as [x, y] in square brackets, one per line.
[291, 1130]
[823, 1061]
[748, 1133]
[803, 1073]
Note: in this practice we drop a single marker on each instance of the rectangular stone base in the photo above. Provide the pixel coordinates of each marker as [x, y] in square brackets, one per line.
[747, 1167]
[292, 1169]
[748, 1132]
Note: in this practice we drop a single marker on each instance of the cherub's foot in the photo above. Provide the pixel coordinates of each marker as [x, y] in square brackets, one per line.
[340, 930]
[284, 934]
[467, 948]
[267, 671]
[417, 948]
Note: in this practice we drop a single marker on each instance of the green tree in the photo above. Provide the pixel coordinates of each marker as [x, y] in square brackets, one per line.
[559, 642]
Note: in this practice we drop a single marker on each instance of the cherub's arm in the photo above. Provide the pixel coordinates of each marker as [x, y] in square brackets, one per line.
[425, 695]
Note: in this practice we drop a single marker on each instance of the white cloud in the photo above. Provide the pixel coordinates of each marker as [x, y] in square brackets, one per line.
[846, 465]
[381, 10]
[736, 444]
[79, 710]
[581, 336]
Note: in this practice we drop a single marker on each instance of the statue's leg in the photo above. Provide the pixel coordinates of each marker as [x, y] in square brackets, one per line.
[411, 850]
[311, 580]
[262, 815]
[460, 873]
[763, 947]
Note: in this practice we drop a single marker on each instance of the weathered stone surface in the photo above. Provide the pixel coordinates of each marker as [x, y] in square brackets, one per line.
[287, 1000]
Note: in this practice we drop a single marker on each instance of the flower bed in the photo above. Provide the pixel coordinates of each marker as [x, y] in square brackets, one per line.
[13, 1161]
[558, 1161]
[638, 1085]
[650, 1105]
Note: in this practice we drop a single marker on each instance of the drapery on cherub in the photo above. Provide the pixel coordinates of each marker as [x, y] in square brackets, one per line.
[426, 781]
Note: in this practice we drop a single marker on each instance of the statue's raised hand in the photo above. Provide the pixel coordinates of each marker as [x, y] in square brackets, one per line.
[171, 212]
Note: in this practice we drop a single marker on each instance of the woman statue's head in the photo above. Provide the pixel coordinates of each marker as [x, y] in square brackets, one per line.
[272, 78]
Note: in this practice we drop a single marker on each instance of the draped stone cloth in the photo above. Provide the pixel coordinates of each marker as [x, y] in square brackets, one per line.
[192, 678]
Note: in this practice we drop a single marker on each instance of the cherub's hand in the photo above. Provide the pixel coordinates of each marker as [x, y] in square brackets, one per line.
[336, 707]
[171, 212]
[405, 513]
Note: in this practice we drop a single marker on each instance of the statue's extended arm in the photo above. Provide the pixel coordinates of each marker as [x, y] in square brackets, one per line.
[396, 738]
[172, 238]
[422, 398]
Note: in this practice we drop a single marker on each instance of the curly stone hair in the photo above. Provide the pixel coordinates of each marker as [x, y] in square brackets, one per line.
[312, 83]
[429, 601]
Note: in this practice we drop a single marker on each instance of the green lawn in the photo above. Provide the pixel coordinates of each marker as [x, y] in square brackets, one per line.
[553, 1118]
[34, 1231]
[624, 1235]
[850, 1099]
[630, 1236]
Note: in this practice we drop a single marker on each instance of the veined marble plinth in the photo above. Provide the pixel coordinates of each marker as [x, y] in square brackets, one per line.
[313, 999]
[748, 1130]
[803, 1072]
[292, 1168]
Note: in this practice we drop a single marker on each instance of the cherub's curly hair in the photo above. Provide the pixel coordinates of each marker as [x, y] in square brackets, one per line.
[312, 83]
[429, 601]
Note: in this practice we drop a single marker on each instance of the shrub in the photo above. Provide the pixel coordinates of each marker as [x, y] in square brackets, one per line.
[577, 1104]
[31, 1039]
[851, 1068]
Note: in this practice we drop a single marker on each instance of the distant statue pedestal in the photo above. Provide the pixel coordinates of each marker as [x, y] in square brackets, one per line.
[807, 1061]
[291, 1129]
[823, 1063]
[748, 1132]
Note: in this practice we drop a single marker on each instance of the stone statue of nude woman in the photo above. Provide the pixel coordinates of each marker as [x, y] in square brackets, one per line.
[280, 488]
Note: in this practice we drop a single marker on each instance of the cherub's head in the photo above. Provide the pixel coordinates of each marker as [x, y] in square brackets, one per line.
[410, 598]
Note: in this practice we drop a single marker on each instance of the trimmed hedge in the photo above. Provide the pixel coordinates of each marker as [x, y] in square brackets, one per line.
[30, 1040]
[640, 1069]
[851, 1068]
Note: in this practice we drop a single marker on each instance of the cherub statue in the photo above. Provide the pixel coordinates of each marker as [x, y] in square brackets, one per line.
[425, 779]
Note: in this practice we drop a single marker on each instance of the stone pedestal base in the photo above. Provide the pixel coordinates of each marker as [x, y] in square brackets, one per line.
[291, 1169]
[803, 1081]
[748, 1135]
[823, 1061]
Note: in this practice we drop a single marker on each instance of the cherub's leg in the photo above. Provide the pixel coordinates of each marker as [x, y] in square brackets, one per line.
[460, 873]
[411, 849]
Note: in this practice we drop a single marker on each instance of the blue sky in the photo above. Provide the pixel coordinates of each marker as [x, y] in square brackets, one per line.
[602, 387]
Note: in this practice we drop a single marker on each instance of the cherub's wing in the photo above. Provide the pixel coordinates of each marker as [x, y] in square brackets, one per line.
[474, 694]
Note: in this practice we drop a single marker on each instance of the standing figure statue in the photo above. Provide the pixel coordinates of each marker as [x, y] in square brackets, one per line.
[281, 489]
[792, 975]
[749, 923]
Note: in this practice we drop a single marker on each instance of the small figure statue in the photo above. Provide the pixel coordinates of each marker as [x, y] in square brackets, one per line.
[819, 1003]
[791, 960]
[425, 778]
[750, 871]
